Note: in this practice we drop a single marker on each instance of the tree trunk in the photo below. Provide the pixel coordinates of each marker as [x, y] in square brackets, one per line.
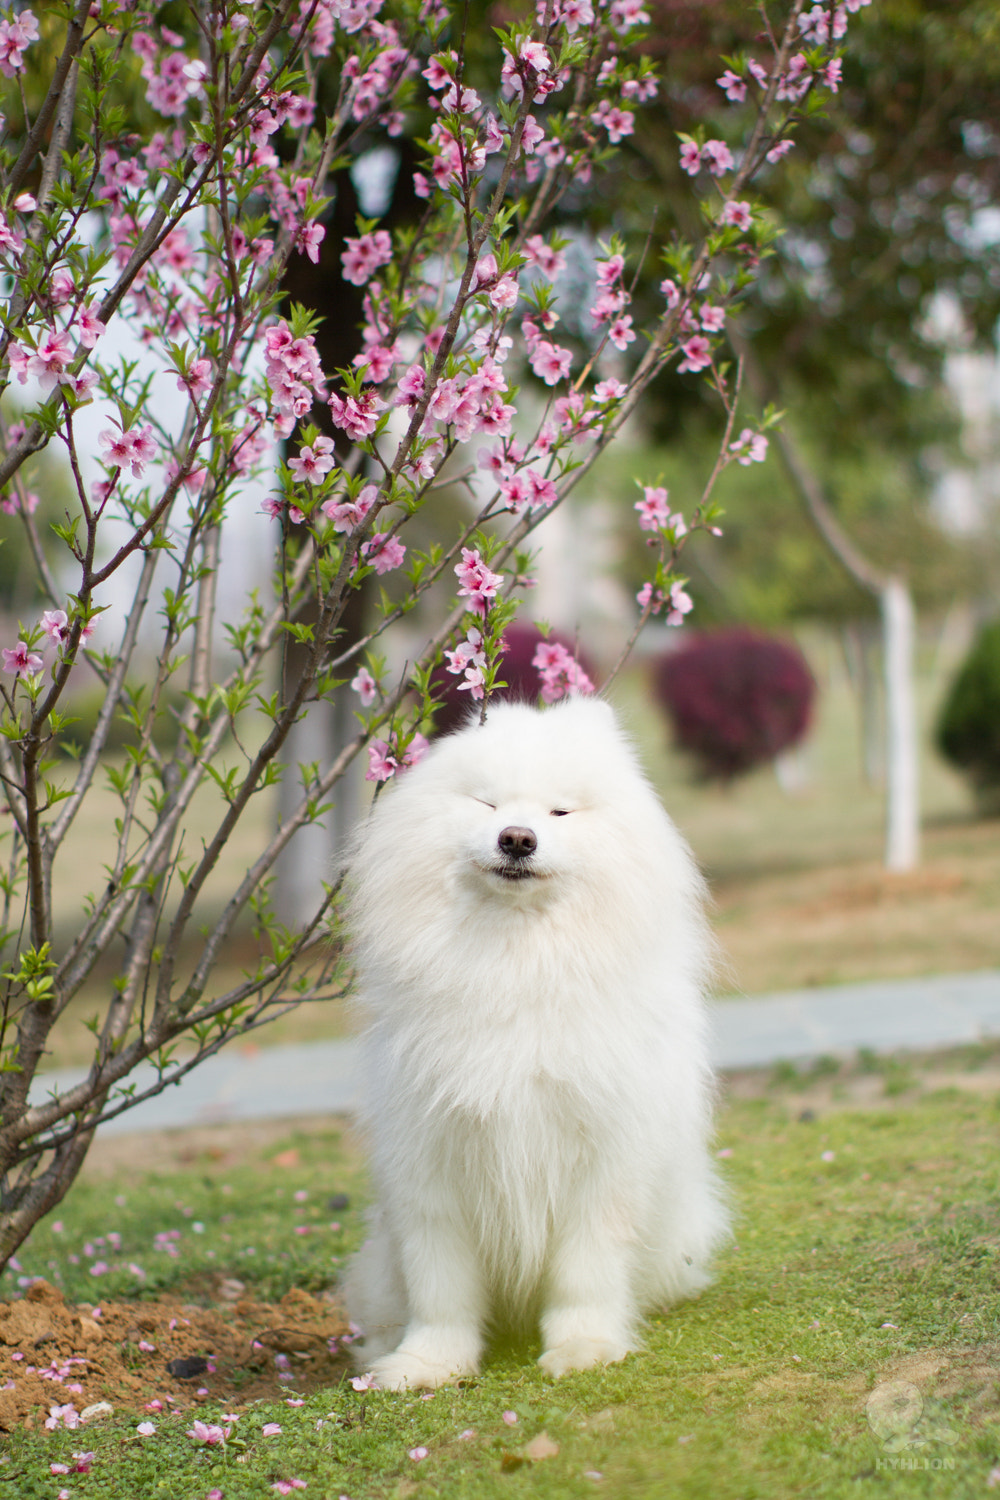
[902, 831]
[902, 824]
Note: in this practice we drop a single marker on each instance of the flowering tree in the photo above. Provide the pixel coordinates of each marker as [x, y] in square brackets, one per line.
[178, 223]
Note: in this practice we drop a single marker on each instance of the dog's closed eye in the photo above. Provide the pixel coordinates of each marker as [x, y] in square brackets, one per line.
[560, 812]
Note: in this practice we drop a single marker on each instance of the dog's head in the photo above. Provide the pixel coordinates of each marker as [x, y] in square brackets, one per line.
[529, 804]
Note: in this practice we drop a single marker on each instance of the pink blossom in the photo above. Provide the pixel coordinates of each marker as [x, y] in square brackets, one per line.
[366, 687]
[544, 257]
[417, 1454]
[677, 603]
[50, 359]
[750, 447]
[415, 750]
[653, 508]
[691, 158]
[377, 361]
[609, 390]
[54, 623]
[532, 136]
[132, 449]
[737, 212]
[712, 318]
[510, 1417]
[346, 515]
[609, 271]
[781, 149]
[384, 552]
[19, 660]
[697, 354]
[410, 388]
[616, 121]
[543, 492]
[357, 415]
[271, 1429]
[62, 1416]
[486, 270]
[717, 157]
[620, 333]
[117, 447]
[146, 1429]
[15, 36]
[460, 99]
[210, 1435]
[504, 294]
[468, 654]
[197, 379]
[9, 238]
[89, 327]
[440, 69]
[308, 240]
[516, 491]
[286, 1486]
[550, 362]
[733, 86]
[313, 463]
[381, 765]
[478, 584]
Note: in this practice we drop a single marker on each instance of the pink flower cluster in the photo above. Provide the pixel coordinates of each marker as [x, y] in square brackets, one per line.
[715, 155]
[559, 673]
[612, 300]
[478, 584]
[384, 758]
[654, 512]
[676, 602]
[468, 660]
[750, 447]
[293, 373]
[363, 256]
[171, 80]
[461, 405]
[132, 449]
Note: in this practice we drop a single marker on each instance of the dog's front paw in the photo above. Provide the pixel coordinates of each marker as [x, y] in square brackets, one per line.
[403, 1371]
[581, 1354]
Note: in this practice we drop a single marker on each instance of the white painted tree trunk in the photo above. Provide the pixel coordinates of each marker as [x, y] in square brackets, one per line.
[902, 830]
[902, 839]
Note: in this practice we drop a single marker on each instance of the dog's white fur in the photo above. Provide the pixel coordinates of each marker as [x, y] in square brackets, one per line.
[538, 1089]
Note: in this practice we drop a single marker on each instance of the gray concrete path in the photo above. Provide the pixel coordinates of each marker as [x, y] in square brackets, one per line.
[322, 1077]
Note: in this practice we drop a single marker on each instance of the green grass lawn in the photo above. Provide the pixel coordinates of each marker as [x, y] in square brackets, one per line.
[866, 1252]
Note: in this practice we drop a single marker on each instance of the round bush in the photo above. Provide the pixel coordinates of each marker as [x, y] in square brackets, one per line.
[968, 730]
[736, 699]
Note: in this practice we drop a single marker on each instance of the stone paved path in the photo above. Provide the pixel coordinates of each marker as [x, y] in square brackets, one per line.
[255, 1082]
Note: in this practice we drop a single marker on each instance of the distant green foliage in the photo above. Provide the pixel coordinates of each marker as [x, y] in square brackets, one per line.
[968, 731]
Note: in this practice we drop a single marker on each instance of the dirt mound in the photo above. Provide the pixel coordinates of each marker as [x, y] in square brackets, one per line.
[127, 1356]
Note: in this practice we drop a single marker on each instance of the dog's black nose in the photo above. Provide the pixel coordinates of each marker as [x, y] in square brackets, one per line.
[517, 843]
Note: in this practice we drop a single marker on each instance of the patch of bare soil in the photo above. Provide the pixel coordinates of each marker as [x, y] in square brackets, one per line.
[918, 1396]
[128, 1356]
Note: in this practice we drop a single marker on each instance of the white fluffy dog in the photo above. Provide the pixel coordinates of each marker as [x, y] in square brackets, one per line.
[532, 951]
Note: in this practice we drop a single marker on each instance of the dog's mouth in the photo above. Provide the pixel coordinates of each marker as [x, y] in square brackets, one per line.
[513, 871]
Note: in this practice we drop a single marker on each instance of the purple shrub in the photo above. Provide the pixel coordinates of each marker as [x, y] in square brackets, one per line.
[736, 699]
